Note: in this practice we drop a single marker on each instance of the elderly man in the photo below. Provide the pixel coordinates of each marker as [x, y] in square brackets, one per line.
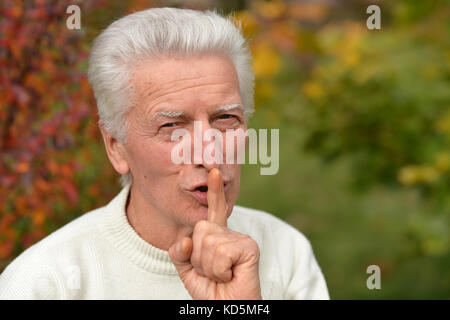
[173, 232]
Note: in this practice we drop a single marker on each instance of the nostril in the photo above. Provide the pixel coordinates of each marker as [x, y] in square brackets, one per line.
[203, 188]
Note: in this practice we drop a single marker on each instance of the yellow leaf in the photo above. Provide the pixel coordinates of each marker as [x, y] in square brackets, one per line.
[351, 58]
[270, 9]
[264, 89]
[408, 175]
[443, 125]
[429, 174]
[38, 217]
[443, 162]
[266, 60]
[312, 89]
[248, 22]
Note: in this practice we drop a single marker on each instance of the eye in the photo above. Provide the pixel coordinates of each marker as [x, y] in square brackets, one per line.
[226, 116]
[169, 125]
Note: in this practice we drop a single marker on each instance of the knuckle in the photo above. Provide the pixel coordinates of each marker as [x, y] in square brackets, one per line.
[249, 240]
[210, 273]
[222, 265]
[222, 250]
[208, 241]
[201, 226]
[220, 271]
[252, 245]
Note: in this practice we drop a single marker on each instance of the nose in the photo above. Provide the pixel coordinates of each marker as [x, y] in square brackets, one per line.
[207, 166]
[207, 146]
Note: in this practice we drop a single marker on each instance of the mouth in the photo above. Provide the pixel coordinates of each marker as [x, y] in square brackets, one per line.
[202, 189]
[200, 192]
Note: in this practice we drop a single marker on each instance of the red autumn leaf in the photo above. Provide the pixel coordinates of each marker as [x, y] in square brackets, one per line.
[70, 191]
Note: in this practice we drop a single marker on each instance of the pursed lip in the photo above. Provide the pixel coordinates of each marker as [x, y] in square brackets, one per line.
[205, 184]
[202, 197]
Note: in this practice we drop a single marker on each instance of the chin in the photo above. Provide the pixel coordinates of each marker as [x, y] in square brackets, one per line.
[197, 214]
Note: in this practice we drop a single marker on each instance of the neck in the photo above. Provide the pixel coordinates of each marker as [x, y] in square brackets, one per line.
[154, 227]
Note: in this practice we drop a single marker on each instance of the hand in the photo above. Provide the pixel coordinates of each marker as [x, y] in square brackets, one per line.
[217, 263]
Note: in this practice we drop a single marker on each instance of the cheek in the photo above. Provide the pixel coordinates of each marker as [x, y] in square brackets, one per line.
[152, 160]
[233, 191]
[234, 146]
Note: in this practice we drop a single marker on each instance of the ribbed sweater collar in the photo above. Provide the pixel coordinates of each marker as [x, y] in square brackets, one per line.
[124, 238]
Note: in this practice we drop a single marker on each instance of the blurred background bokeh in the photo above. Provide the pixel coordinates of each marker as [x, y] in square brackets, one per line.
[364, 119]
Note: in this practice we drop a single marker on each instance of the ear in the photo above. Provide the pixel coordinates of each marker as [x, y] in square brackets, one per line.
[116, 152]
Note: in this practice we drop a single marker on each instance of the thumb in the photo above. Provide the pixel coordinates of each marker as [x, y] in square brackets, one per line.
[180, 254]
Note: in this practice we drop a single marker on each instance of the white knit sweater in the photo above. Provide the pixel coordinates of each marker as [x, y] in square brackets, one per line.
[100, 256]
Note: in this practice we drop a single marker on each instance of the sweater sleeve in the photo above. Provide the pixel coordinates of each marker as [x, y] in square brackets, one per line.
[288, 266]
[28, 278]
[307, 281]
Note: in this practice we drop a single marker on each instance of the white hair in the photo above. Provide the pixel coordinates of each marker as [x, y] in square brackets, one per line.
[160, 32]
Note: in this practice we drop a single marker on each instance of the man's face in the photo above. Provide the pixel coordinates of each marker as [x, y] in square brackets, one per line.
[170, 94]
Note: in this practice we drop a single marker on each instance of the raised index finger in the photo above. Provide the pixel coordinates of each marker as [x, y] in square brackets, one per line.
[217, 206]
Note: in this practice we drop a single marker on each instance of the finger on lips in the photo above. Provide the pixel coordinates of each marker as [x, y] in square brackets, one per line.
[209, 251]
[217, 206]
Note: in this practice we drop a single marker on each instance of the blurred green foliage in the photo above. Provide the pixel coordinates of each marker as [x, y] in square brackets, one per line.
[368, 113]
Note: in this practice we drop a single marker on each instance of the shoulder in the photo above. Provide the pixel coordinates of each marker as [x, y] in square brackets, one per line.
[77, 230]
[261, 224]
[288, 267]
[38, 265]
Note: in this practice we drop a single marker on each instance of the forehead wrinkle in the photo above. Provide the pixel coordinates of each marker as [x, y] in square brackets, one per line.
[153, 86]
[150, 93]
[159, 84]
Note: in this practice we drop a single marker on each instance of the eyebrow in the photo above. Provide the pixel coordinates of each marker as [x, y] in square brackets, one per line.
[177, 114]
[169, 114]
[229, 107]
